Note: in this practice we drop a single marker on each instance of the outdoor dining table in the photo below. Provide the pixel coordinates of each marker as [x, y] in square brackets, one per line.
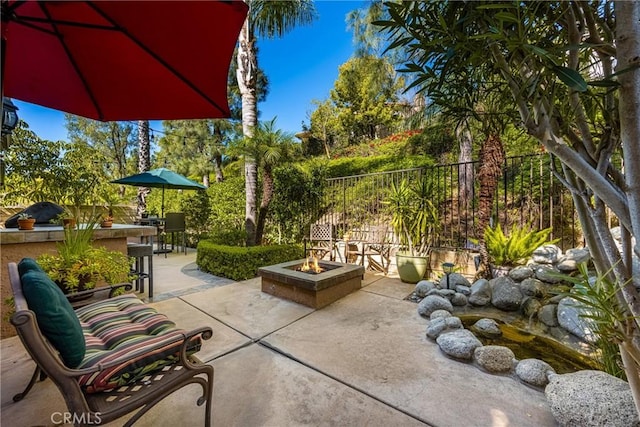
[159, 223]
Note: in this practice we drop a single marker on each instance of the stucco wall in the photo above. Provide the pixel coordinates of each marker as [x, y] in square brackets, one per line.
[15, 252]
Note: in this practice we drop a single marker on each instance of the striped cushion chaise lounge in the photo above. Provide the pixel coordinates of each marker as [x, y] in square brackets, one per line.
[109, 358]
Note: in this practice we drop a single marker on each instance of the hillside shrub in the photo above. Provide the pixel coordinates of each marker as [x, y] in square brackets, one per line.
[297, 191]
[348, 166]
[242, 263]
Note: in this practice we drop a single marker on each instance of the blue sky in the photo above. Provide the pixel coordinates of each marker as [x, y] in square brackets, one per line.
[301, 66]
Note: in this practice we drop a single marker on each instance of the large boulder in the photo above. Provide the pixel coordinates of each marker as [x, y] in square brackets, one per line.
[534, 371]
[546, 254]
[459, 300]
[494, 358]
[533, 288]
[487, 328]
[520, 273]
[577, 255]
[547, 274]
[459, 344]
[591, 398]
[432, 303]
[480, 293]
[571, 316]
[455, 279]
[440, 325]
[548, 315]
[423, 287]
[505, 294]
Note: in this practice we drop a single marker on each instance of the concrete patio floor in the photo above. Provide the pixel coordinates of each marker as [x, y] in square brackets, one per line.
[363, 360]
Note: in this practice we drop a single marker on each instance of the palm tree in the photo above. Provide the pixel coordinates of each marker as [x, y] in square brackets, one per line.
[268, 148]
[274, 147]
[265, 19]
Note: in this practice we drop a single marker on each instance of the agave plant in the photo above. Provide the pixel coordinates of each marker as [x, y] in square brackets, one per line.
[414, 217]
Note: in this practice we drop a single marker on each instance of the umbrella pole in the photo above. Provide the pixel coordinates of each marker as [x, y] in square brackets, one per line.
[162, 208]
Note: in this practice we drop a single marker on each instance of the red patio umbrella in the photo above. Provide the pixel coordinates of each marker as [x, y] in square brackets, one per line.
[121, 60]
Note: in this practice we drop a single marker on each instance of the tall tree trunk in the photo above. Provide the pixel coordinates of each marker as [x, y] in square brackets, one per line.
[267, 195]
[628, 49]
[246, 75]
[628, 45]
[144, 164]
[217, 166]
[491, 161]
[465, 170]
[217, 157]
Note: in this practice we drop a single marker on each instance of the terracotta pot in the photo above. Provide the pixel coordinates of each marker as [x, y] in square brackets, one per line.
[69, 223]
[106, 224]
[26, 224]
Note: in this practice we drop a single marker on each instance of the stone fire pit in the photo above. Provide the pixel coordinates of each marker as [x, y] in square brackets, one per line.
[314, 290]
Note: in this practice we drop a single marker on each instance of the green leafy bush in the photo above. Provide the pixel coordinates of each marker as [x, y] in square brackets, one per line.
[516, 248]
[196, 207]
[297, 191]
[227, 200]
[79, 266]
[242, 263]
[228, 237]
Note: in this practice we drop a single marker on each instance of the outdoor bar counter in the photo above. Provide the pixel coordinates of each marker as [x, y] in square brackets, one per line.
[16, 244]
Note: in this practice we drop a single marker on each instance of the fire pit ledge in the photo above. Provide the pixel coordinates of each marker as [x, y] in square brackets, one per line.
[312, 290]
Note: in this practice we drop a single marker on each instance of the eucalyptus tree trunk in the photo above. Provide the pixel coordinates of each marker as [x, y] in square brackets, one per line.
[144, 164]
[246, 75]
[628, 45]
[628, 49]
[491, 161]
[465, 170]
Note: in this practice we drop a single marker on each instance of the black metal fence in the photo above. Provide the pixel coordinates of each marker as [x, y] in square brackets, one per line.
[528, 195]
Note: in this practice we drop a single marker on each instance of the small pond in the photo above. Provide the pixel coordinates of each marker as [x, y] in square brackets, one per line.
[526, 345]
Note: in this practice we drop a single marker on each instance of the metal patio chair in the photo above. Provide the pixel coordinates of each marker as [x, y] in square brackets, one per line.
[321, 242]
[129, 364]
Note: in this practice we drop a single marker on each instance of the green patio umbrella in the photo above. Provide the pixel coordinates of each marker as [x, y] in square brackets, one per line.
[160, 178]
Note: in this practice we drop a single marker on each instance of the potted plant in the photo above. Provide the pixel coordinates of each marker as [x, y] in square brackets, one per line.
[79, 266]
[415, 221]
[65, 219]
[107, 220]
[506, 252]
[26, 221]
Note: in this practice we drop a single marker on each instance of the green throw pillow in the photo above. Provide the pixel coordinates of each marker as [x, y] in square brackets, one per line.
[56, 318]
[28, 264]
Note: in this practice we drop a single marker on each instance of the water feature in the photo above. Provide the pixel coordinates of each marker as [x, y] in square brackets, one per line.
[526, 345]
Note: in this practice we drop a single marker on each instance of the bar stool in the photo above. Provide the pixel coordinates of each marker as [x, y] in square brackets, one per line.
[141, 251]
[175, 223]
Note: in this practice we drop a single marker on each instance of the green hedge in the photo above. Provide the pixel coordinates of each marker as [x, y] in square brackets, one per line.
[242, 263]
